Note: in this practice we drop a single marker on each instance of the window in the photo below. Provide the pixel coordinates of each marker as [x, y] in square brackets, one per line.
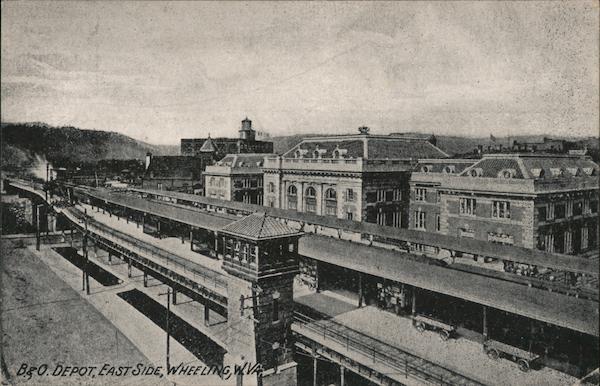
[349, 195]
[292, 197]
[438, 223]
[594, 206]
[468, 206]
[397, 195]
[541, 213]
[311, 200]
[559, 210]
[419, 219]
[159, 186]
[397, 219]
[577, 208]
[420, 194]
[501, 209]
[271, 187]
[389, 195]
[371, 197]
[331, 202]
[438, 196]
[336, 154]
[349, 215]
[380, 195]
[271, 203]
[211, 182]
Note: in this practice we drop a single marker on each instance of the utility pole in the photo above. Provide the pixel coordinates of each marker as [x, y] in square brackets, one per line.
[86, 276]
[168, 293]
[37, 227]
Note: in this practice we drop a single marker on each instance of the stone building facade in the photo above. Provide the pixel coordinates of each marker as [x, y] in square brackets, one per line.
[237, 177]
[548, 202]
[357, 177]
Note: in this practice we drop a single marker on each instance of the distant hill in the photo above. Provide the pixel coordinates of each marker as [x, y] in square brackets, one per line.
[23, 143]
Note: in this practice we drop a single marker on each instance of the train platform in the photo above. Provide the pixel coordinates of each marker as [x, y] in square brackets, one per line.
[171, 244]
[460, 355]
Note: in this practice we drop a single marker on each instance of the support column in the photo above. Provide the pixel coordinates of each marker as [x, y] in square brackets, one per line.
[191, 240]
[314, 371]
[71, 228]
[360, 290]
[129, 267]
[158, 228]
[317, 282]
[206, 313]
[342, 380]
[174, 296]
[145, 278]
[485, 326]
[414, 300]
[109, 257]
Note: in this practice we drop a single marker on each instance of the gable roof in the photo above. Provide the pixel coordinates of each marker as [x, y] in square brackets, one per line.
[259, 226]
[208, 146]
[244, 160]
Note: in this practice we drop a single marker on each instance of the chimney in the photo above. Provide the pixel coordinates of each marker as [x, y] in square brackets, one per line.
[148, 159]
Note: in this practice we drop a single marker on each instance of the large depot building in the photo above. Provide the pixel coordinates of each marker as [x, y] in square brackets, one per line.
[358, 177]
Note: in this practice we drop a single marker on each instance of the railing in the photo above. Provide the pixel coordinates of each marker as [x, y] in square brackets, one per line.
[406, 363]
[209, 277]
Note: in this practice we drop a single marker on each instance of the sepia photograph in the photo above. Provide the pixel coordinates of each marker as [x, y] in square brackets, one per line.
[300, 193]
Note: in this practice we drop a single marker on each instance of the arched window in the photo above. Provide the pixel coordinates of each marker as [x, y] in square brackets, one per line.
[336, 154]
[316, 154]
[271, 187]
[311, 199]
[331, 202]
[292, 197]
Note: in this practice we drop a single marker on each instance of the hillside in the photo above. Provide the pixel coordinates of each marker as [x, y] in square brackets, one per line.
[23, 144]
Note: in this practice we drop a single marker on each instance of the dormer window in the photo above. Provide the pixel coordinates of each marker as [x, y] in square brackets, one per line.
[298, 154]
[339, 153]
[450, 169]
[316, 154]
[507, 173]
[425, 169]
[476, 172]
[556, 172]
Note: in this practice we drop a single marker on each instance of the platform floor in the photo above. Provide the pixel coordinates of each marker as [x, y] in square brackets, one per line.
[170, 244]
[461, 355]
[146, 336]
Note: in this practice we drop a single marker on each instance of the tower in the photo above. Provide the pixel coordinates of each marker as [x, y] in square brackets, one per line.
[262, 252]
[246, 132]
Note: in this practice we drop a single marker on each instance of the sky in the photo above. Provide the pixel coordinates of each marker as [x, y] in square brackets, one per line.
[159, 72]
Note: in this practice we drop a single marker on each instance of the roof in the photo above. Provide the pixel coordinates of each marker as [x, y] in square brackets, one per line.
[453, 166]
[533, 166]
[259, 226]
[365, 146]
[177, 166]
[246, 160]
[208, 146]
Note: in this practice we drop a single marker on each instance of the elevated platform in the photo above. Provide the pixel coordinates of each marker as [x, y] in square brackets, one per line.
[574, 313]
[476, 247]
